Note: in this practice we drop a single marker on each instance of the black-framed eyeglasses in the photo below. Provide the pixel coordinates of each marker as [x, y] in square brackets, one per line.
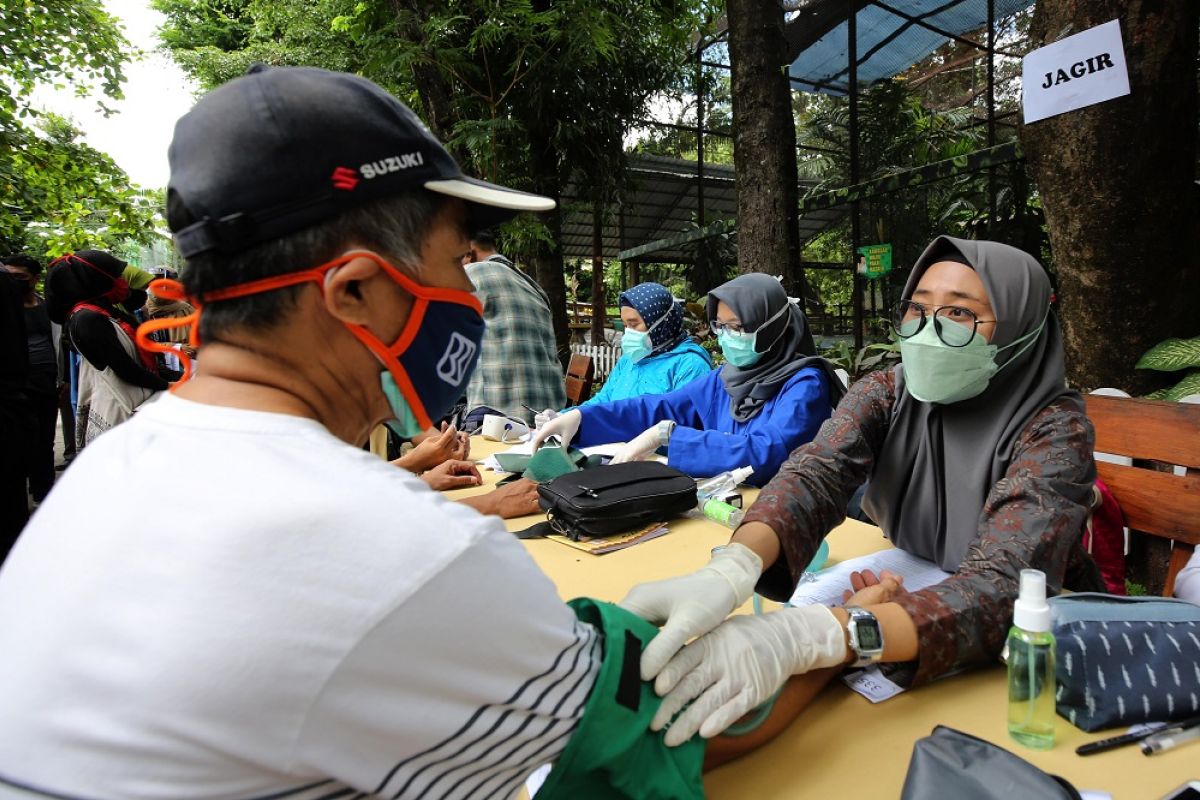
[954, 325]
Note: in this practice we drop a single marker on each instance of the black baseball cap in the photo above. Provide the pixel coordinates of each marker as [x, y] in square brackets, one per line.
[282, 148]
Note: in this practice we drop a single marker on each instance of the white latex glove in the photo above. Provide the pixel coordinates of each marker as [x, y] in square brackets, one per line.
[692, 605]
[640, 448]
[564, 426]
[542, 417]
[737, 667]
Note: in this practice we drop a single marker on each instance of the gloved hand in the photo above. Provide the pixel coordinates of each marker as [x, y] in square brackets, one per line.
[641, 447]
[564, 426]
[737, 667]
[692, 605]
[542, 417]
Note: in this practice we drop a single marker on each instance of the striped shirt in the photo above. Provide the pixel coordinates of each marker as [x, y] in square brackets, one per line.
[312, 623]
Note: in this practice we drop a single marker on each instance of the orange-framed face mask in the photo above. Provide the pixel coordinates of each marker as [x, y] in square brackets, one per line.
[427, 367]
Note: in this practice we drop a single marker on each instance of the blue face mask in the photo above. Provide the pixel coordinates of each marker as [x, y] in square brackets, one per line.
[637, 344]
[437, 363]
[741, 349]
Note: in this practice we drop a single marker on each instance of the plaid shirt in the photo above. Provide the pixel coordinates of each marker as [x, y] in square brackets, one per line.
[1033, 517]
[518, 364]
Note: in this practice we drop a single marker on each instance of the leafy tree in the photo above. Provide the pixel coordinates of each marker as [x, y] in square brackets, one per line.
[531, 93]
[58, 193]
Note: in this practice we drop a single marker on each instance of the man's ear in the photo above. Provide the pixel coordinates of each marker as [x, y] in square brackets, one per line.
[360, 292]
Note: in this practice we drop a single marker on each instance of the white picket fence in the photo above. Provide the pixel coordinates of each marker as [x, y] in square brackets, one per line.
[603, 356]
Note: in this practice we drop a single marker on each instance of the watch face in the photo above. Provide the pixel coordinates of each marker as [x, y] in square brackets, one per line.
[867, 636]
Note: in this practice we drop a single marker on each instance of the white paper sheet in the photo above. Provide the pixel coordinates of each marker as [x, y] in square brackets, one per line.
[1075, 72]
[826, 586]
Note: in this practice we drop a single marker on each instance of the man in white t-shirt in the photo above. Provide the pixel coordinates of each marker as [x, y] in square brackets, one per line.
[306, 621]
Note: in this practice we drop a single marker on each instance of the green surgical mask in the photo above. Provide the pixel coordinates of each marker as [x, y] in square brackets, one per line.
[405, 423]
[935, 372]
[741, 349]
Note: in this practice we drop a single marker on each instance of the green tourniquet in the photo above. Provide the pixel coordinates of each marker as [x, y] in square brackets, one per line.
[613, 753]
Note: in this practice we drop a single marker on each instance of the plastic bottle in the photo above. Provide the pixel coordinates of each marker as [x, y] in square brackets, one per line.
[1031, 666]
[709, 492]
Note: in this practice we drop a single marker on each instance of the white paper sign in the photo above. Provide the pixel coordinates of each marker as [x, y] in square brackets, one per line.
[1075, 72]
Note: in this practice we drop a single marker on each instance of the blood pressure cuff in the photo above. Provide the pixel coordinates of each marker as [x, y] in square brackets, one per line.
[613, 753]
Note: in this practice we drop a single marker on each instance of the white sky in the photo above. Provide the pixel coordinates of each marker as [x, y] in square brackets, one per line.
[156, 94]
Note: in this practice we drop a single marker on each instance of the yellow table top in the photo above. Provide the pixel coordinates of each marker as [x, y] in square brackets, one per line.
[842, 744]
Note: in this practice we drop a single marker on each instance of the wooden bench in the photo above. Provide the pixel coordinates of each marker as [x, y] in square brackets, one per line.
[1157, 503]
[581, 373]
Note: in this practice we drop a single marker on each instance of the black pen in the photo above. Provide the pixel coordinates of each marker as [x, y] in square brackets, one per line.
[1113, 742]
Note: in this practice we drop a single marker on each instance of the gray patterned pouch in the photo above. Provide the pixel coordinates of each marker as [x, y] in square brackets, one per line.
[1125, 660]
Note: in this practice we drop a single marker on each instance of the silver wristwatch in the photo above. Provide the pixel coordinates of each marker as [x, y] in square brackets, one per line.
[866, 637]
[664, 431]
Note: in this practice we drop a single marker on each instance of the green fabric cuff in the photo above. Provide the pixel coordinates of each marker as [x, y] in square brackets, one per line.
[613, 753]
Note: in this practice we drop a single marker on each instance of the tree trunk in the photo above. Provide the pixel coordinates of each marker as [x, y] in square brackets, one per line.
[764, 144]
[548, 257]
[1117, 184]
[437, 99]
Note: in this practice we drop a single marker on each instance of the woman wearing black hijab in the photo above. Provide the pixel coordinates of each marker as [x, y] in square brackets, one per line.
[82, 293]
[979, 459]
[771, 396]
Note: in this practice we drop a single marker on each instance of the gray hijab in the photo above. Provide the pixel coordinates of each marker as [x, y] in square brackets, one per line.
[756, 298]
[939, 462]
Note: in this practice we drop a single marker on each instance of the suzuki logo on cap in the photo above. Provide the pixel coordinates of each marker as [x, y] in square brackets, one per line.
[459, 355]
[344, 178]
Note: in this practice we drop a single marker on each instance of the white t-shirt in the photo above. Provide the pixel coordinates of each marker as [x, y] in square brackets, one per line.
[224, 603]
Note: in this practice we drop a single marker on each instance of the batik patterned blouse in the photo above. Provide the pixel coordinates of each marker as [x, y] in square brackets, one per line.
[1034, 517]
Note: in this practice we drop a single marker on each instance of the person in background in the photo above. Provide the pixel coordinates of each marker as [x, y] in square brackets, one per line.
[16, 416]
[770, 397]
[313, 622]
[41, 385]
[657, 356]
[1187, 582]
[518, 366]
[979, 459]
[83, 291]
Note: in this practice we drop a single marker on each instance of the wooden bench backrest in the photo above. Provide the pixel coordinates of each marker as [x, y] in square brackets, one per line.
[581, 373]
[1158, 503]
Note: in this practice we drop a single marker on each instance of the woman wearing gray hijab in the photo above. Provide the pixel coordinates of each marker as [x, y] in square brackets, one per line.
[979, 459]
[770, 397]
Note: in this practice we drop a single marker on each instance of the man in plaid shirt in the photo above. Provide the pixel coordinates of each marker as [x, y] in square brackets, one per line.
[518, 366]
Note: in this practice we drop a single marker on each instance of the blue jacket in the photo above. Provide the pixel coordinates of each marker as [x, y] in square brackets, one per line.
[657, 374]
[707, 439]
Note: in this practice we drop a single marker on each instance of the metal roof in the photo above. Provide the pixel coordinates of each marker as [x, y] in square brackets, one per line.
[660, 206]
[891, 36]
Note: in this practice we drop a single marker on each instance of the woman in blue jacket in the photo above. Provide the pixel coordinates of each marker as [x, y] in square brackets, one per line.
[770, 398]
[657, 356]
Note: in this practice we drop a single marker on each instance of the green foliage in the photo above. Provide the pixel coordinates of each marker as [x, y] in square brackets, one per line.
[872, 357]
[1135, 589]
[57, 193]
[66, 195]
[1171, 356]
[530, 93]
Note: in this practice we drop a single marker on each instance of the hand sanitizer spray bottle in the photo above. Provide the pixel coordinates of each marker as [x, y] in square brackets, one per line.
[1031, 666]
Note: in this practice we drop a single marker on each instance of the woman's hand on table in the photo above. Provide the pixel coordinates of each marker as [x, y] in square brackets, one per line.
[692, 605]
[452, 474]
[869, 589]
[728, 672]
[564, 426]
[640, 447]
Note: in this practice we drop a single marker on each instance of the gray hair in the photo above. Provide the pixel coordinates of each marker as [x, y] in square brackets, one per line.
[394, 227]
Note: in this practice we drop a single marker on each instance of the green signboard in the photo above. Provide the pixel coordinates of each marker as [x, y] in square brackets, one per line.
[874, 260]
